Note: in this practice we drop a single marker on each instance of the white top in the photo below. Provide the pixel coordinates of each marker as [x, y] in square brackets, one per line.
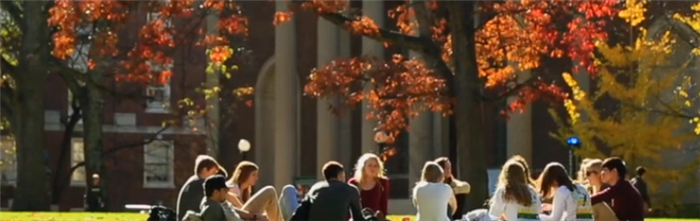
[563, 206]
[431, 201]
[234, 190]
[567, 205]
[511, 209]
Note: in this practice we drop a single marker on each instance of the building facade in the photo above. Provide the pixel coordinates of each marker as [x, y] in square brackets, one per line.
[292, 135]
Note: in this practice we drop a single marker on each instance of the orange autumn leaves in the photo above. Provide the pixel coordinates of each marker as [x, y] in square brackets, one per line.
[516, 37]
[108, 26]
[395, 90]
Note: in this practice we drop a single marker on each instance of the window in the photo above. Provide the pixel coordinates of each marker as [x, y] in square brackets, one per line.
[77, 155]
[158, 165]
[158, 96]
[8, 161]
[158, 100]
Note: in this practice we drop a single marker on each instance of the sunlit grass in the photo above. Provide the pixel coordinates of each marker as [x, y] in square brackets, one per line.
[72, 216]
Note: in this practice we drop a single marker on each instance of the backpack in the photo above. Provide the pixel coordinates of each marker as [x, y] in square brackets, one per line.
[161, 213]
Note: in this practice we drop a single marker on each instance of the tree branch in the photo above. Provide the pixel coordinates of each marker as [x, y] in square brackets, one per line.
[123, 147]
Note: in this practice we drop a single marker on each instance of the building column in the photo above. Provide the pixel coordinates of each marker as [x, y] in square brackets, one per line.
[420, 144]
[286, 98]
[519, 128]
[345, 130]
[212, 80]
[375, 10]
[327, 129]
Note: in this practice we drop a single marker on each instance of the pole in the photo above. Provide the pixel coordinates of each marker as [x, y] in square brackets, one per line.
[571, 161]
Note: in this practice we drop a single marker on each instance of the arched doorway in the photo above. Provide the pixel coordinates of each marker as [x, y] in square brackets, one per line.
[264, 145]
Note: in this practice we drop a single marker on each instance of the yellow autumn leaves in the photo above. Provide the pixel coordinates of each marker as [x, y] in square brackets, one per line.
[644, 102]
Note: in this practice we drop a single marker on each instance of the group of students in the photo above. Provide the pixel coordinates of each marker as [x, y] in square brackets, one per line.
[602, 193]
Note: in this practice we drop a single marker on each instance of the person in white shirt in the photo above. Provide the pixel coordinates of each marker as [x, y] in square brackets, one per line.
[514, 199]
[570, 201]
[431, 196]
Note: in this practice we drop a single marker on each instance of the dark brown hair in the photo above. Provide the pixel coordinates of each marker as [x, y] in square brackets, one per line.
[553, 172]
[203, 162]
[241, 174]
[517, 189]
[332, 169]
[528, 175]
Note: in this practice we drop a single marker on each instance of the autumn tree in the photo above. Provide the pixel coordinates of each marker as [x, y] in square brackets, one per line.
[43, 37]
[471, 54]
[650, 100]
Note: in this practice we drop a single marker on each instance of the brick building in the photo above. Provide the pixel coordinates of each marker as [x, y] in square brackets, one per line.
[292, 135]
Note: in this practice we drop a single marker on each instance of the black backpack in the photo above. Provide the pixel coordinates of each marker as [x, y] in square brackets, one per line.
[161, 213]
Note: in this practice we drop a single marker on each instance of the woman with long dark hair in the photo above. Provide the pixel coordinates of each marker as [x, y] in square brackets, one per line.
[570, 201]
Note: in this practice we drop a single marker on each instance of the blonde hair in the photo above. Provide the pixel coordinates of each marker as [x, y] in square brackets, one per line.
[362, 162]
[587, 165]
[513, 179]
[432, 173]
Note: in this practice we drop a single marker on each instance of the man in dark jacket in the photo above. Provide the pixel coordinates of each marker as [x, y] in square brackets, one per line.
[93, 195]
[641, 186]
[192, 192]
[332, 199]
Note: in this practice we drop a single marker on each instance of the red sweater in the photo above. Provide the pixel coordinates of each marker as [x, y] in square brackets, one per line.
[376, 198]
[625, 200]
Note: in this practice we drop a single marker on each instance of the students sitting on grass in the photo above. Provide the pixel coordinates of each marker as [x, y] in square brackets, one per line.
[623, 199]
[369, 178]
[459, 188]
[192, 192]
[214, 206]
[264, 203]
[431, 196]
[514, 199]
[570, 201]
[332, 199]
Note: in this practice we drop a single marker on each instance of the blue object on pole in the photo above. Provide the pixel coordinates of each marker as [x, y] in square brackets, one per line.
[573, 141]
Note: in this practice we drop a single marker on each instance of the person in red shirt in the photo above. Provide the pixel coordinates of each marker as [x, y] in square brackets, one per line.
[625, 200]
[369, 178]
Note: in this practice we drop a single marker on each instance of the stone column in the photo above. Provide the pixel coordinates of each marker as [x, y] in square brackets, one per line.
[327, 129]
[375, 10]
[212, 80]
[420, 144]
[345, 137]
[519, 129]
[286, 98]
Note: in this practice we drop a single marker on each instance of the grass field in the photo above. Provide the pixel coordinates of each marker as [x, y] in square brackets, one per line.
[73, 216]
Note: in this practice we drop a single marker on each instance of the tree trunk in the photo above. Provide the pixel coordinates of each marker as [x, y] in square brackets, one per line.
[91, 103]
[468, 112]
[61, 178]
[32, 191]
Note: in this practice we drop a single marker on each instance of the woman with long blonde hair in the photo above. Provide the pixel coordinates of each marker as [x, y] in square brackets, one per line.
[514, 198]
[264, 202]
[369, 178]
[431, 196]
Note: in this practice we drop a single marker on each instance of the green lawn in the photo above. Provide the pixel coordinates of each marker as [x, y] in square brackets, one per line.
[72, 216]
